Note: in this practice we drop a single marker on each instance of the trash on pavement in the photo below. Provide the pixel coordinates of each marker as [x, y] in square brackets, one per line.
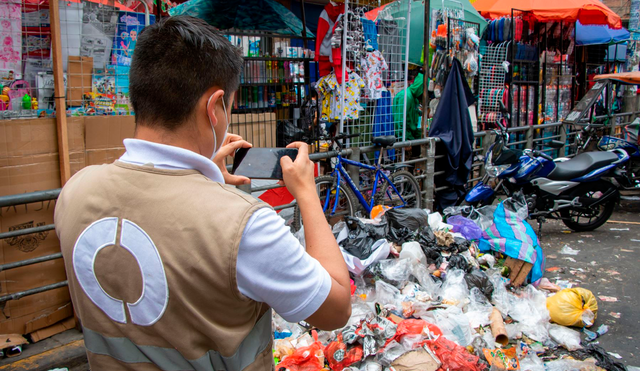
[610, 299]
[427, 296]
[566, 250]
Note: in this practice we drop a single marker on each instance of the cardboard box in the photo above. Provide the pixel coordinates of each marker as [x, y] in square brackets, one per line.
[258, 129]
[79, 79]
[55, 329]
[29, 162]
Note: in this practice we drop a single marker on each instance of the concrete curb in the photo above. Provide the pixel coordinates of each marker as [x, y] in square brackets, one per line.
[69, 355]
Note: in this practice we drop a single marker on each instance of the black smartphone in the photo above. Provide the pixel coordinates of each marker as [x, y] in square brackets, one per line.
[261, 163]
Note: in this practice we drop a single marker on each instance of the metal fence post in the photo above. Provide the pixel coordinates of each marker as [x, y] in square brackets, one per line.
[354, 171]
[429, 182]
[563, 139]
[529, 135]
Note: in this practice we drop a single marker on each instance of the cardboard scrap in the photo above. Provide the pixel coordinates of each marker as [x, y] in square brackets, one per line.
[417, 360]
[519, 270]
[55, 329]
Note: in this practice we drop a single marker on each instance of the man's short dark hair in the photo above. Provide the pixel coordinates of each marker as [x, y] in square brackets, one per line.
[174, 63]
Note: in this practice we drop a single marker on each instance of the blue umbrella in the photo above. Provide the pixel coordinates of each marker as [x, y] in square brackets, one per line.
[253, 15]
[597, 34]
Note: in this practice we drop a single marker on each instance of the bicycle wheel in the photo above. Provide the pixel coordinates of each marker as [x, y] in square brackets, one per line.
[347, 202]
[408, 188]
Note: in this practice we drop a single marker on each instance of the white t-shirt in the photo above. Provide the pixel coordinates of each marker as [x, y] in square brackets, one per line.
[272, 266]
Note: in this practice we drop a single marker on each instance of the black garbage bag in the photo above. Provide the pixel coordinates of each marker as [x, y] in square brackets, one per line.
[426, 238]
[477, 278]
[433, 255]
[603, 359]
[407, 218]
[458, 262]
[362, 236]
[459, 245]
[400, 235]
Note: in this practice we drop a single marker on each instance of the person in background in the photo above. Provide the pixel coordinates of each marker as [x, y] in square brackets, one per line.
[170, 267]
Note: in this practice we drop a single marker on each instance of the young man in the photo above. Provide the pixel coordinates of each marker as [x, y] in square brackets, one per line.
[171, 268]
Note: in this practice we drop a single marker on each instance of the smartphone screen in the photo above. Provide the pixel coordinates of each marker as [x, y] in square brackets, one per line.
[261, 163]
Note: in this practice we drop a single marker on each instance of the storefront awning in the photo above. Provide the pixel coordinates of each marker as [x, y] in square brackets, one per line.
[588, 12]
[597, 34]
[632, 78]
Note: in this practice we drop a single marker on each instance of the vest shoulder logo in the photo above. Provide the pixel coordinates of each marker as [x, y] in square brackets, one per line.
[150, 307]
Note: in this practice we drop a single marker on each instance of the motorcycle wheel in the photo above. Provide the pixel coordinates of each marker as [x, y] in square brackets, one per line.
[593, 217]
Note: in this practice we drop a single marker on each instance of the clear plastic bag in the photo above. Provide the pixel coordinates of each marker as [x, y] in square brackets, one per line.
[566, 337]
[454, 289]
[454, 325]
[427, 283]
[387, 294]
[479, 309]
[531, 362]
[396, 270]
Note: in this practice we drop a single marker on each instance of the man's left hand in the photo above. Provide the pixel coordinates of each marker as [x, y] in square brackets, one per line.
[232, 143]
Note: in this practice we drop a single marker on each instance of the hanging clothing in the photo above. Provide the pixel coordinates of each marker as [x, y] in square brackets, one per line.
[374, 64]
[383, 120]
[326, 22]
[390, 45]
[370, 33]
[333, 103]
[413, 131]
[452, 124]
[354, 42]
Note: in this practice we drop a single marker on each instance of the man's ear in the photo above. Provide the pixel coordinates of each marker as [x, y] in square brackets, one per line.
[211, 105]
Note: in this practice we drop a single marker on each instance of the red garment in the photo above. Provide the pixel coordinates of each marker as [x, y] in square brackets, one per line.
[326, 22]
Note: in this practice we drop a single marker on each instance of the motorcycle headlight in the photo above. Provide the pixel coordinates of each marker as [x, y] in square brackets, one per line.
[491, 169]
[494, 171]
[609, 146]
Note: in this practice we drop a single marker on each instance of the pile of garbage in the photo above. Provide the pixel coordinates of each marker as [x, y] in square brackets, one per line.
[433, 292]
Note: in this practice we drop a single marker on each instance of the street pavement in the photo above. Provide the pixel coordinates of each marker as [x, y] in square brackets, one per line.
[608, 264]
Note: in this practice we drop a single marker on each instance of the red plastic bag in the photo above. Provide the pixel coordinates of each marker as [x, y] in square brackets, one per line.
[414, 327]
[453, 356]
[309, 358]
[339, 357]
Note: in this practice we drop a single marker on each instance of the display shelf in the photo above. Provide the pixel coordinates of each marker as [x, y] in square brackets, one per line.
[274, 84]
[278, 59]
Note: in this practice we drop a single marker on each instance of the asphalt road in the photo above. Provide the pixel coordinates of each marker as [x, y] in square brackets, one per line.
[608, 264]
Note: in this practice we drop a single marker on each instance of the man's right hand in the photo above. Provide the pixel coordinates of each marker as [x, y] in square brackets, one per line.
[298, 174]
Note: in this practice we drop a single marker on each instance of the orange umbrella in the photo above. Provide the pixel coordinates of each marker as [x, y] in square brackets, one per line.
[588, 12]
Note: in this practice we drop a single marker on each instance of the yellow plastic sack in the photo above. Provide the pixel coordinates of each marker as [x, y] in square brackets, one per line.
[570, 306]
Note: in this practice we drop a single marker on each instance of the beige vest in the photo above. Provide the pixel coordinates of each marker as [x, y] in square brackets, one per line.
[150, 255]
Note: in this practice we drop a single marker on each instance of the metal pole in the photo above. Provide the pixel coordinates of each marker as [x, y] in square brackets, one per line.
[22, 232]
[425, 49]
[22, 263]
[37, 290]
[343, 91]
[27, 198]
[406, 78]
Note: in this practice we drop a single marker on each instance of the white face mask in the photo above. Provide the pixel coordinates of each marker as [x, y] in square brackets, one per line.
[215, 139]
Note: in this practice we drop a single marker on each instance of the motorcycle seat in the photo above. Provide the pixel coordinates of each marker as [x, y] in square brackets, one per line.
[384, 141]
[582, 164]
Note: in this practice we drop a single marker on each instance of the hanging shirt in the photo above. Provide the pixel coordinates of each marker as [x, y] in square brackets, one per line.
[334, 104]
[374, 64]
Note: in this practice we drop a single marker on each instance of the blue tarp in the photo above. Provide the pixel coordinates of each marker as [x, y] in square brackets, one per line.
[596, 34]
[514, 237]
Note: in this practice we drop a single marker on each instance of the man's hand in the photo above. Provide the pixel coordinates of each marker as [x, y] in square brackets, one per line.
[232, 143]
[298, 174]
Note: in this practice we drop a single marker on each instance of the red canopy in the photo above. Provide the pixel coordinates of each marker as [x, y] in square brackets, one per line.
[588, 12]
[112, 3]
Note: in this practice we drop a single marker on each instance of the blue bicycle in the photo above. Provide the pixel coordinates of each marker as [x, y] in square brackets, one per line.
[399, 189]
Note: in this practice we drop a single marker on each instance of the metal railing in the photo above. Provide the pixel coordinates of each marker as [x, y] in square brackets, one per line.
[21, 199]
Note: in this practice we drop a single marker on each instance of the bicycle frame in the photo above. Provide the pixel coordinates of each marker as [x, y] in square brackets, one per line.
[339, 172]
